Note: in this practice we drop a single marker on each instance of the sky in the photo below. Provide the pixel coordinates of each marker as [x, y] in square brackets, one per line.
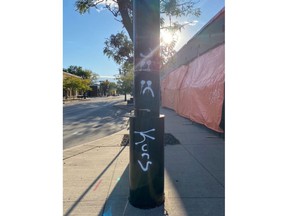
[84, 35]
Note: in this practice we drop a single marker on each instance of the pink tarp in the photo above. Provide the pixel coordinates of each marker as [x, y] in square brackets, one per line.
[196, 91]
[170, 87]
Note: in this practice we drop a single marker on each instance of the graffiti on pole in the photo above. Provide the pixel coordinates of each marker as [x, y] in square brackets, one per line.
[144, 148]
[147, 88]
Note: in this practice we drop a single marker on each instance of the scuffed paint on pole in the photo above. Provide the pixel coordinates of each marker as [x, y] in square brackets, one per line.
[146, 169]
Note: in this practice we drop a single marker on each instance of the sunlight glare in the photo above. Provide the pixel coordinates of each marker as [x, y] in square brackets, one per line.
[166, 37]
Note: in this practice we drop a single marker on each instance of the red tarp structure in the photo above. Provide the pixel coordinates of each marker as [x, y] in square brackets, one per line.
[196, 91]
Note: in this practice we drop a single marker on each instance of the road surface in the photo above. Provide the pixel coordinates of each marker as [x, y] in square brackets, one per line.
[92, 119]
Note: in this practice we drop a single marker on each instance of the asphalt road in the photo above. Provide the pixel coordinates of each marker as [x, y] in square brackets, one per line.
[92, 119]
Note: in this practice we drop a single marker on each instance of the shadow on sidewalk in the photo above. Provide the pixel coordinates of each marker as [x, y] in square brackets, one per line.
[189, 190]
[193, 184]
[117, 203]
[91, 185]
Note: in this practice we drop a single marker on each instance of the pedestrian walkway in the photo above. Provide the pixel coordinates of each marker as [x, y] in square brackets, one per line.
[96, 174]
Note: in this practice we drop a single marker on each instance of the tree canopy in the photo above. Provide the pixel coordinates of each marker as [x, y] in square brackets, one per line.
[119, 46]
[122, 10]
[84, 73]
[104, 87]
[76, 84]
[125, 81]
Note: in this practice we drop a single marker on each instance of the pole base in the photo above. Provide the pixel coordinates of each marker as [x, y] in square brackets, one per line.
[146, 168]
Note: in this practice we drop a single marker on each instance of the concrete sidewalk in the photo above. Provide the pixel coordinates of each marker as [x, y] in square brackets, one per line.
[96, 174]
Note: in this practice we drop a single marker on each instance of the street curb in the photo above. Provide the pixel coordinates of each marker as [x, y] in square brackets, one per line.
[123, 105]
[84, 147]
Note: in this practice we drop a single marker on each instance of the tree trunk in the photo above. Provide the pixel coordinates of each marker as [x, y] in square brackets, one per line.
[126, 20]
[125, 98]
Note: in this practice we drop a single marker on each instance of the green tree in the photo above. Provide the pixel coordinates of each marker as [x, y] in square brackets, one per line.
[125, 80]
[104, 87]
[71, 84]
[112, 88]
[74, 84]
[85, 86]
[122, 10]
[84, 73]
[120, 48]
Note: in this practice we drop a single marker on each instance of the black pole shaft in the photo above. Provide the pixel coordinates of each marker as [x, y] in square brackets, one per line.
[146, 170]
[146, 56]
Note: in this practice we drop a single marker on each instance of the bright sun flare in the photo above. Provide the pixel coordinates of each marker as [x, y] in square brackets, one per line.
[166, 37]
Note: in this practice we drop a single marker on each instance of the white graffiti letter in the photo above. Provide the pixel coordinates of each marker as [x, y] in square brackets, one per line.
[143, 148]
[144, 135]
[146, 167]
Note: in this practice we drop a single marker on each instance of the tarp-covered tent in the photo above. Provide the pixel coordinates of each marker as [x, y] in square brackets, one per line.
[196, 90]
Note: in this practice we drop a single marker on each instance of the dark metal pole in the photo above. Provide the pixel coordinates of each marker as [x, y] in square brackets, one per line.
[146, 170]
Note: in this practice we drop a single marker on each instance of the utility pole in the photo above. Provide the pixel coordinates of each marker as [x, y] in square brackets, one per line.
[146, 168]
